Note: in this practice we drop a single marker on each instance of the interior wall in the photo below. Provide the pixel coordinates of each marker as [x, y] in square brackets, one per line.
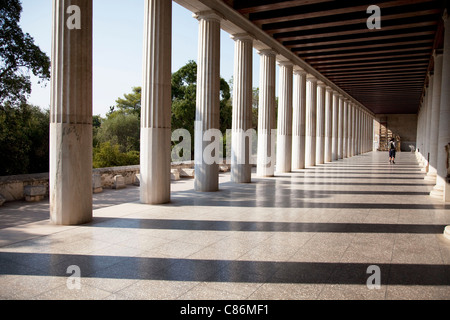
[403, 125]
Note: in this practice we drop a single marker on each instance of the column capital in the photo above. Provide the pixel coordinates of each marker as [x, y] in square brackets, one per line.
[267, 52]
[328, 88]
[208, 15]
[311, 78]
[285, 63]
[299, 71]
[437, 52]
[242, 37]
[320, 83]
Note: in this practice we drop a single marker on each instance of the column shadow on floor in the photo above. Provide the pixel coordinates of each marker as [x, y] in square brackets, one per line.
[265, 226]
[171, 269]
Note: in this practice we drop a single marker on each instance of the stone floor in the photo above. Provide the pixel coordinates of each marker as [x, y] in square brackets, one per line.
[310, 234]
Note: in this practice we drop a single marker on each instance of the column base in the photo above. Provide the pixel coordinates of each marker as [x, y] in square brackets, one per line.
[155, 165]
[241, 173]
[447, 232]
[206, 177]
[431, 176]
[437, 192]
[70, 184]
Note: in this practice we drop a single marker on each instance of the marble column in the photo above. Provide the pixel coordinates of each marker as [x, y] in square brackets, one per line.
[423, 128]
[311, 120]
[429, 124]
[207, 116]
[359, 138]
[364, 133]
[354, 108]
[284, 127]
[418, 134]
[435, 109]
[266, 115]
[357, 130]
[360, 131]
[345, 130]
[328, 124]
[349, 129]
[341, 128]
[155, 155]
[335, 127]
[320, 124]
[298, 121]
[241, 168]
[441, 188]
[70, 177]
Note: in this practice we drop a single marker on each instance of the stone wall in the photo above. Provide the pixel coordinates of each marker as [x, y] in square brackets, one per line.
[12, 188]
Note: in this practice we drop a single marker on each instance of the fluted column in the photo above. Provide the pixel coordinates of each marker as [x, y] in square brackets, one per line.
[156, 103]
[298, 121]
[311, 119]
[435, 109]
[429, 124]
[353, 144]
[335, 129]
[284, 136]
[423, 128]
[266, 115]
[344, 128]
[341, 128]
[359, 138]
[360, 128]
[328, 124]
[442, 189]
[70, 179]
[349, 134]
[320, 130]
[363, 132]
[241, 168]
[207, 116]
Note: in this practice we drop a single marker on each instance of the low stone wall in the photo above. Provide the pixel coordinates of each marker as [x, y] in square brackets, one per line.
[12, 188]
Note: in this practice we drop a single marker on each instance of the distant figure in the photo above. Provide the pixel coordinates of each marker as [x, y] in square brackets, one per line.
[392, 151]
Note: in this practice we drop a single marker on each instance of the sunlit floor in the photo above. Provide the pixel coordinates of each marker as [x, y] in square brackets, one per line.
[335, 231]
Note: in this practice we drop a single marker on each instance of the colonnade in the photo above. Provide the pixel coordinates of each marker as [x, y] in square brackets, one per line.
[433, 125]
[316, 122]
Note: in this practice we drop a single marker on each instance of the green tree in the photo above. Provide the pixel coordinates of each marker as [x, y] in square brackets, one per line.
[18, 55]
[109, 155]
[120, 129]
[24, 139]
[130, 103]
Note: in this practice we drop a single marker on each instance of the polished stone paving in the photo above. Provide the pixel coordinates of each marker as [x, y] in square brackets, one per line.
[310, 234]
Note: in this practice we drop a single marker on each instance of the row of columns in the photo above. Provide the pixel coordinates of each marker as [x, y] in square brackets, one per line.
[315, 123]
[433, 125]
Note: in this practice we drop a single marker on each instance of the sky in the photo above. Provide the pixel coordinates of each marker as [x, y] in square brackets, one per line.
[118, 33]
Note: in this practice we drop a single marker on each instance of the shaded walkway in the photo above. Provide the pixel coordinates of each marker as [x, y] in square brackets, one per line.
[310, 234]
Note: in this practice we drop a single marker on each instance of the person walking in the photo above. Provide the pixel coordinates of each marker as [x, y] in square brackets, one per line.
[392, 151]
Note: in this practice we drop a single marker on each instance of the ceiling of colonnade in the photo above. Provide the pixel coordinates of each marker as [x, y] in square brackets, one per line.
[384, 68]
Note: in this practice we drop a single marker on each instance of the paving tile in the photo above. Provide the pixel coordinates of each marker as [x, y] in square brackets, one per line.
[309, 234]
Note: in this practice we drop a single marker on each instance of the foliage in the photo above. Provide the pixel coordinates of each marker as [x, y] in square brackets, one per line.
[24, 139]
[120, 129]
[18, 55]
[129, 104]
[109, 155]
